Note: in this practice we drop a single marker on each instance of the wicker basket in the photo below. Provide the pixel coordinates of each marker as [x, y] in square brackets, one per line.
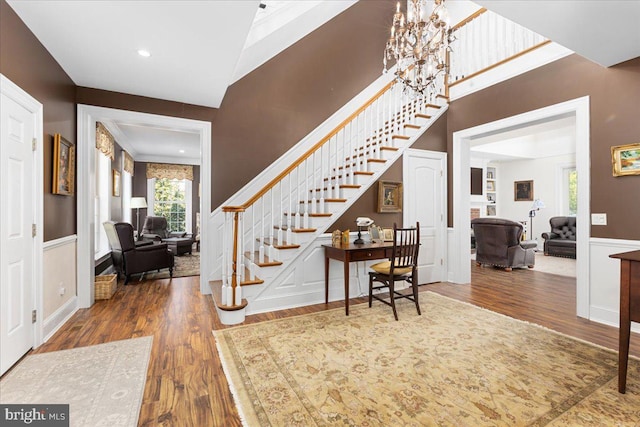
[106, 286]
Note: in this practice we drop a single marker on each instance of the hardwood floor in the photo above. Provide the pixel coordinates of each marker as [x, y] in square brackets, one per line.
[186, 385]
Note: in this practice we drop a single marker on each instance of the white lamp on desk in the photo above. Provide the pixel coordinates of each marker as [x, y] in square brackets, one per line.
[137, 203]
[362, 221]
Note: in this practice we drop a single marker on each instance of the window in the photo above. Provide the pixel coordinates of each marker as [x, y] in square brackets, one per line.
[570, 191]
[102, 203]
[172, 200]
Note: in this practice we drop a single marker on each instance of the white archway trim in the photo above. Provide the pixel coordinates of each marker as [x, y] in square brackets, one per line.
[87, 117]
[460, 265]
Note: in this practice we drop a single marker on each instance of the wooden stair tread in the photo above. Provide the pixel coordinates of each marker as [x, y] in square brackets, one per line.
[423, 116]
[376, 160]
[350, 186]
[296, 230]
[326, 200]
[389, 148]
[283, 245]
[411, 126]
[363, 173]
[216, 293]
[267, 262]
[400, 137]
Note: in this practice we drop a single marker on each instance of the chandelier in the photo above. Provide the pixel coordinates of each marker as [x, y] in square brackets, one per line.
[419, 44]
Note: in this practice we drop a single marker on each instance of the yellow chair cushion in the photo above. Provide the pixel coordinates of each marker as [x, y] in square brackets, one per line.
[384, 267]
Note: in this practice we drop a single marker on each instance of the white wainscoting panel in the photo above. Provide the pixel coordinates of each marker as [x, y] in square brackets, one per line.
[604, 272]
[58, 308]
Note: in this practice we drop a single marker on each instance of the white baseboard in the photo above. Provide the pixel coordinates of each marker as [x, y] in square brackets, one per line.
[59, 318]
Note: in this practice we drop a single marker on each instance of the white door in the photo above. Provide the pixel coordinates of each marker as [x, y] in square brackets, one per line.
[424, 176]
[17, 131]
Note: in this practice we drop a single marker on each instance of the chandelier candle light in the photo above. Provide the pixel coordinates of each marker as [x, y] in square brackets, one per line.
[419, 44]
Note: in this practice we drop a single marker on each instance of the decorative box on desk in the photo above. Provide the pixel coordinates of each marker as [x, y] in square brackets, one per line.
[106, 286]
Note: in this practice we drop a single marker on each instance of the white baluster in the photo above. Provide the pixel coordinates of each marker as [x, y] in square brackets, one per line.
[280, 210]
[306, 186]
[314, 199]
[299, 207]
[241, 246]
[262, 236]
[272, 227]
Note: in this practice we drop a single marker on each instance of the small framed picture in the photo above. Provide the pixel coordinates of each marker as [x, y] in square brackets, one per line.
[387, 234]
[389, 196]
[376, 233]
[523, 191]
[116, 183]
[626, 159]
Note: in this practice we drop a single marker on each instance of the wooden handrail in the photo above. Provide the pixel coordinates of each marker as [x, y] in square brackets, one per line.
[308, 153]
[468, 19]
[491, 67]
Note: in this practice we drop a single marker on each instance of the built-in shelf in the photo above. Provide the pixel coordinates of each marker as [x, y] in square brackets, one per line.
[491, 191]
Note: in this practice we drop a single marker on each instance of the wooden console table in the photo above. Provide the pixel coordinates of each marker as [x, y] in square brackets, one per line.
[347, 254]
[629, 308]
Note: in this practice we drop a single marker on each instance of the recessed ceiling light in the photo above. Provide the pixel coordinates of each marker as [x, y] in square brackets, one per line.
[144, 53]
[181, 151]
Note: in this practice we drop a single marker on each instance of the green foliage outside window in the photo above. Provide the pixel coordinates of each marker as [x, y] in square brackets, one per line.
[170, 202]
[573, 192]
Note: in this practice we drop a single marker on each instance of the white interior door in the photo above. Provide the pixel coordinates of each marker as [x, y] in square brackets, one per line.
[17, 131]
[424, 178]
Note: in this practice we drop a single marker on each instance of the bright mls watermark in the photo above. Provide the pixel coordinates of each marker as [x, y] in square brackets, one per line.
[34, 415]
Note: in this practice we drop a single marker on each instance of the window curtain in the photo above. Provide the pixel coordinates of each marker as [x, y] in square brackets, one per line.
[128, 163]
[169, 171]
[104, 141]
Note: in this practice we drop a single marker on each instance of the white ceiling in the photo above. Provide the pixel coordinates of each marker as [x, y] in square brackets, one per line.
[535, 141]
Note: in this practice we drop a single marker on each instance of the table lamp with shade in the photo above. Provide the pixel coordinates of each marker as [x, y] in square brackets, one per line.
[536, 206]
[137, 203]
[362, 221]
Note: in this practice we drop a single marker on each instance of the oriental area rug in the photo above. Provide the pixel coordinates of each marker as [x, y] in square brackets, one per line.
[456, 365]
[102, 384]
[185, 265]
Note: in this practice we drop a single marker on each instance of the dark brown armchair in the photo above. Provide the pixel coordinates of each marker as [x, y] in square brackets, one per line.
[561, 240]
[155, 229]
[131, 258]
[498, 243]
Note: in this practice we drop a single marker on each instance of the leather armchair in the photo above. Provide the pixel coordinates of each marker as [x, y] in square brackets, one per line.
[498, 243]
[561, 240]
[129, 258]
[155, 229]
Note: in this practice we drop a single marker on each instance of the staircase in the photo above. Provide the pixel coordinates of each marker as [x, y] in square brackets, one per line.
[271, 241]
[263, 237]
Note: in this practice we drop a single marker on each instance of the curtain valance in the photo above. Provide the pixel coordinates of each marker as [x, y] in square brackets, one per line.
[104, 141]
[169, 171]
[128, 163]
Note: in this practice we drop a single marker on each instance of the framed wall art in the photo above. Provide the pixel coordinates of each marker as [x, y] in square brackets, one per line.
[523, 191]
[626, 159]
[389, 196]
[64, 166]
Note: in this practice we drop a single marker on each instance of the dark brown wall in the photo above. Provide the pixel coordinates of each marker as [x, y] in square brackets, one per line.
[28, 64]
[434, 139]
[272, 108]
[615, 111]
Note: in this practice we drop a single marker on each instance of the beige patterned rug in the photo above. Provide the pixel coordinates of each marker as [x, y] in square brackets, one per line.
[103, 384]
[185, 265]
[456, 365]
